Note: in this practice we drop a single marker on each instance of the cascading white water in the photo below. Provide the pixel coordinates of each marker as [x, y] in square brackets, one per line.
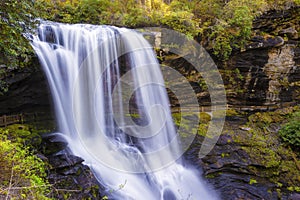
[101, 76]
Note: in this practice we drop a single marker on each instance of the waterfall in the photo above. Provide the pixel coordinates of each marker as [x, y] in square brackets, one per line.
[112, 107]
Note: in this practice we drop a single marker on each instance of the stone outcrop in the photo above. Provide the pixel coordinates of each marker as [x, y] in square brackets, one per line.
[268, 76]
[270, 64]
[243, 166]
[264, 73]
[69, 177]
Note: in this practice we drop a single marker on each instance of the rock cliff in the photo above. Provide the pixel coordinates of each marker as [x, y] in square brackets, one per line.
[264, 73]
[267, 71]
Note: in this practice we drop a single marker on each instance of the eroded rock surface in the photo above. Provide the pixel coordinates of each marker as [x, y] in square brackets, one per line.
[70, 178]
[247, 164]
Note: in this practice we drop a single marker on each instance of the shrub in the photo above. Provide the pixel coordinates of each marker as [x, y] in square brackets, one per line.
[22, 173]
[16, 17]
[290, 132]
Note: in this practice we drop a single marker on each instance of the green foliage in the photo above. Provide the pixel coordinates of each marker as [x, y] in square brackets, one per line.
[15, 52]
[127, 13]
[232, 24]
[290, 132]
[16, 16]
[179, 16]
[22, 173]
[222, 47]
[225, 25]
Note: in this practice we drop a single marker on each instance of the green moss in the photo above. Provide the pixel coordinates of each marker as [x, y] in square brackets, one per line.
[223, 155]
[190, 123]
[210, 176]
[264, 119]
[202, 130]
[213, 175]
[271, 159]
[294, 189]
[133, 115]
[261, 119]
[232, 112]
[205, 117]
[22, 134]
[219, 114]
[252, 181]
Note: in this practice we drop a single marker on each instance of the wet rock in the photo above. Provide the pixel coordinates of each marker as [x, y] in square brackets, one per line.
[80, 184]
[234, 172]
[52, 143]
[295, 196]
[250, 65]
[269, 65]
[290, 32]
[272, 20]
[64, 161]
[224, 139]
[69, 177]
[280, 64]
[270, 76]
[260, 42]
[245, 128]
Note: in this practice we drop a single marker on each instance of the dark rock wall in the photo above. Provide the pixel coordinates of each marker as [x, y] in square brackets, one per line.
[28, 94]
[254, 82]
[69, 177]
[27, 91]
[270, 62]
[270, 76]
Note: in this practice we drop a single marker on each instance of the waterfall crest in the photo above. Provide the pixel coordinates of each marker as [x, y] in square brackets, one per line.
[112, 107]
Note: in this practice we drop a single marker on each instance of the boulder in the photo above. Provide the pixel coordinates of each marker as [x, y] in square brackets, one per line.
[69, 176]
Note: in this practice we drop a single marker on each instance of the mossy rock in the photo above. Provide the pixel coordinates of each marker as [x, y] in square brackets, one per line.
[205, 117]
[270, 159]
[23, 134]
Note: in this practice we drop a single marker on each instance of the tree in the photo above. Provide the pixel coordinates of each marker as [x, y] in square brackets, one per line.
[16, 17]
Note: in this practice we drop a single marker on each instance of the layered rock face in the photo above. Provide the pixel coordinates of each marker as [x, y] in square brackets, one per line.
[269, 76]
[269, 66]
[265, 73]
[67, 174]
